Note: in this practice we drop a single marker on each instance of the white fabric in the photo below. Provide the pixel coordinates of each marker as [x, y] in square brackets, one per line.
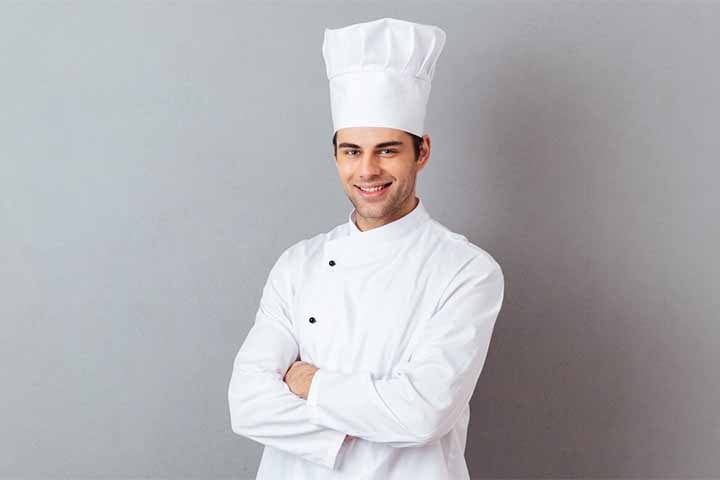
[403, 322]
[380, 73]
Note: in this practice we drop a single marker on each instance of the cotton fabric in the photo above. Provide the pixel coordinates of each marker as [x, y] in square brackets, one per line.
[380, 73]
[402, 326]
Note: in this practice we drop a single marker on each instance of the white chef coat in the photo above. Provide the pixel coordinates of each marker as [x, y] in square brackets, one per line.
[398, 319]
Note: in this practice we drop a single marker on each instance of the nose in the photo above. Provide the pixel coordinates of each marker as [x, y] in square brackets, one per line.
[369, 166]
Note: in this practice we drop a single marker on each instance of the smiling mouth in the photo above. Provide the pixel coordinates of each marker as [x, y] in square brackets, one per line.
[375, 189]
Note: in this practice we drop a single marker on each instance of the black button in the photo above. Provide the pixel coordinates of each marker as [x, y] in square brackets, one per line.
[311, 320]
[332, 263]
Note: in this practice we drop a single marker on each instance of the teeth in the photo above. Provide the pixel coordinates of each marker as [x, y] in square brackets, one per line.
[374, 189]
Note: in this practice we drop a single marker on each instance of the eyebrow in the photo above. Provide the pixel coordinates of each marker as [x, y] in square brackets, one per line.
[379, 145]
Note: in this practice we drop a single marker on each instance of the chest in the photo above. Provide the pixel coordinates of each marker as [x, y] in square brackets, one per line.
[363, 317]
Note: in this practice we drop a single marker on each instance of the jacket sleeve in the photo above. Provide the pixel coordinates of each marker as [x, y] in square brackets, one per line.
[422, 397]
[262, 406]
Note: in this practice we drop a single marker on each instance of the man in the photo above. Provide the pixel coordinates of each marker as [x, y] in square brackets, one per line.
[370, 338]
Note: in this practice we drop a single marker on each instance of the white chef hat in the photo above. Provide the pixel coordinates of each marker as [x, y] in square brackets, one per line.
[380, 73]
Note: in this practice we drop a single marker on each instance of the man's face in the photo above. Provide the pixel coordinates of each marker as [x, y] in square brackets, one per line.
[373, 156]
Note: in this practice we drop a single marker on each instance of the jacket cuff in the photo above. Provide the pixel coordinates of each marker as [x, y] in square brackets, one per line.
[333, 453]
[314, 387]
[312, 398]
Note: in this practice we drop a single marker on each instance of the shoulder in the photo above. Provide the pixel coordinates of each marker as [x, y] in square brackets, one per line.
[466, 269]
[455, 252]
[300, 251]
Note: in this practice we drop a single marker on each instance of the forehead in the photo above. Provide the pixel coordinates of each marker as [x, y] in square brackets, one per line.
[370, 135]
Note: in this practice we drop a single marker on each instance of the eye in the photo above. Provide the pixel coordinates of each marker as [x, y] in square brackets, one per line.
[349, 152]
[389, 150]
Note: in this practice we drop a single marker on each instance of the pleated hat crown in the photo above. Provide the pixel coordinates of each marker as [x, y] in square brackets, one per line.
[380, 73]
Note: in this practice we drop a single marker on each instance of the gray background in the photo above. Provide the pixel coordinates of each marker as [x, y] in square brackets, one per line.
[156, 158]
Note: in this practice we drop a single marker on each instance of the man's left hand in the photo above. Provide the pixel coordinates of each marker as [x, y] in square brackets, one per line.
[299, 376]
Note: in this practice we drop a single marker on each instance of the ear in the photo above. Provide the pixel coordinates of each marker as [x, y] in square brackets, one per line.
[424, 155]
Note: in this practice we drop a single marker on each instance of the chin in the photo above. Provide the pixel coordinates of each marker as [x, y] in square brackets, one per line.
[376, 210]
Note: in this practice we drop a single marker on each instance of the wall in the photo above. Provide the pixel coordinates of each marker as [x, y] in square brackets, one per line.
[156, 157]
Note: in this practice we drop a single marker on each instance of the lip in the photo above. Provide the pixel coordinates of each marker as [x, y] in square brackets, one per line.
[379, 193]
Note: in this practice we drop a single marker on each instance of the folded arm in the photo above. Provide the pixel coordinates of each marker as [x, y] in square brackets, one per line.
[423, 397]
[262, 407]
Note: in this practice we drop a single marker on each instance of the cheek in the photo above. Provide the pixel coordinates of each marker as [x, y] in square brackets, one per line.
[346, 174]
[343, 170]
[400, 175]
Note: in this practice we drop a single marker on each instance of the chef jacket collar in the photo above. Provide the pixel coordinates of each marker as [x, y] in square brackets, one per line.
[358, 247]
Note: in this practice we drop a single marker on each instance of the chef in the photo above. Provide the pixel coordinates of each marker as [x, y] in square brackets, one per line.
[369, 338]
